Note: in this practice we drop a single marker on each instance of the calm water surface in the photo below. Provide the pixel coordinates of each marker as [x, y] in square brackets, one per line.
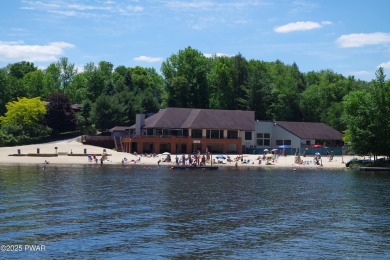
[120, 212]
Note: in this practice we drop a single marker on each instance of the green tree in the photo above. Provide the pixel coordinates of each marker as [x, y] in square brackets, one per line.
[220, 81]
[20, 69]
[240, 80]
[149, 102]
[322, 100]
[380, 92]
[310, 103]
[28, 112]
[22, 121]
[287, 84]
[128, 81]
[60, 116]
[67, 72]
[95, 81]
[52, 79]
[106, 68]
[156, 83]
[15, 87]
[131, 105]
[34, 84]
[107, 112]
[4, 96]
[366, 114]
[359, 121]
[186, 75]
[256, 89]
[77, 90]
[86, 111]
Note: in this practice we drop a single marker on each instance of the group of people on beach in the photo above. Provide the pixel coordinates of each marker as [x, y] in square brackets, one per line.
[93, 158]
[192, 160]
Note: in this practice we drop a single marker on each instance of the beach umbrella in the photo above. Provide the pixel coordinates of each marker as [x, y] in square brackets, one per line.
[265, 150]
[316, 146]
[166, 153]
[220, 157]
[274, 149]
[284, 146]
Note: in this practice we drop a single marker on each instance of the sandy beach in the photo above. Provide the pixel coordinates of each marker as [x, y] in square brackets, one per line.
[72, 152]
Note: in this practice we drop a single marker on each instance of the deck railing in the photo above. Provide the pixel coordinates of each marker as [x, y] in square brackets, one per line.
[173, 136]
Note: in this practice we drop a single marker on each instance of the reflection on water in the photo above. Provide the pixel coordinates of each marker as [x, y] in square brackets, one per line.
[114, 211]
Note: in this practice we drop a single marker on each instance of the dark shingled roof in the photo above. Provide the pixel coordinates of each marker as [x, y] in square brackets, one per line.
[309, 130]
[191, 118]
[120, 128]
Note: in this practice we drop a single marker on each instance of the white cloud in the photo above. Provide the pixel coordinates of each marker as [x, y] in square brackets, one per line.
[299, 6]
[300, 26]
[361, 73]
[17, 51]
[148, 59]
[87, 7]
[11, 42]
[326, 23]
[190, 5]
[214, 5]
[62, 44]
[362, 39]
[218, 54]
[385, 65]
[75, 9]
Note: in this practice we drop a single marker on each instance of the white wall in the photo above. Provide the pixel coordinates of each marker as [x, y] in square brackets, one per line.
[276, 133]
[282, 134]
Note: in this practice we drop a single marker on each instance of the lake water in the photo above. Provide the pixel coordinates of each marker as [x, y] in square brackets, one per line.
[120, 212]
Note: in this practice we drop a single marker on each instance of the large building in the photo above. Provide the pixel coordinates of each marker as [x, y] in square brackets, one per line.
[185, 130]
[294, 136]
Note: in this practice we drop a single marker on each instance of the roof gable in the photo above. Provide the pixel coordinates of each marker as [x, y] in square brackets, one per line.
[189, 118]
[310, 130]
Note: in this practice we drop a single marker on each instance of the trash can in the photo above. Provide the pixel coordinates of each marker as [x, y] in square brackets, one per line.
[37, 150]
[85, 151]
[18, 151]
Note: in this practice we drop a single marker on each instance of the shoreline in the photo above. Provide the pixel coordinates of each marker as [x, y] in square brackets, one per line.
[71, 152]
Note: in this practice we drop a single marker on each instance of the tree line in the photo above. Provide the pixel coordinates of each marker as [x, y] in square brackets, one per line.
[112, 96]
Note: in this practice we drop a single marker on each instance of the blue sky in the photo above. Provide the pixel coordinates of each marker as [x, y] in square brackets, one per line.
[351, 37]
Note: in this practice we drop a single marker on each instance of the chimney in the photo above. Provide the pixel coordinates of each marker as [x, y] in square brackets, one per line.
[139, 123]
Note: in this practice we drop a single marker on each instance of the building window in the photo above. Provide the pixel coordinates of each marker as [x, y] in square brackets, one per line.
[214, 134]
[232, 134]
[248, 135]
[196, 133]
[283, 142]
[263, 139]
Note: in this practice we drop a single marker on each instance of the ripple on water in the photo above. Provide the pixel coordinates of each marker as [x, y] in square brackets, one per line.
[116, 212]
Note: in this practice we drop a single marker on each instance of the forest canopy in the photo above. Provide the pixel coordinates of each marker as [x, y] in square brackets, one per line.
[111, 96]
